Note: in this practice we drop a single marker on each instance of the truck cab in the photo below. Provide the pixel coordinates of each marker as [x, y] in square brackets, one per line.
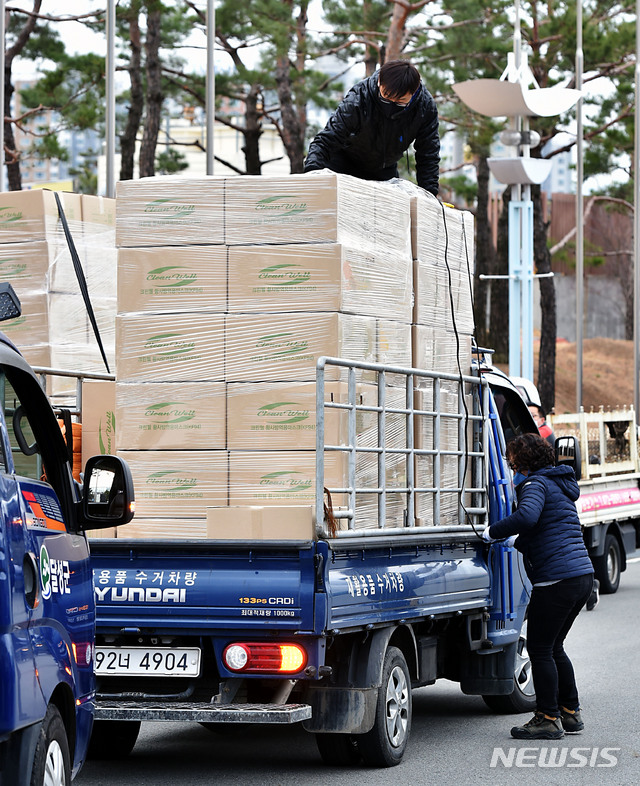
[47, 612]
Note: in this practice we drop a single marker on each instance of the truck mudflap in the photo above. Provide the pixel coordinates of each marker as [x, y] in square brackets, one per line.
[202, 712]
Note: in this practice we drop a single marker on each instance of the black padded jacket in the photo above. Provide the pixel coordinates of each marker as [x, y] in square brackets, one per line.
[372, 137]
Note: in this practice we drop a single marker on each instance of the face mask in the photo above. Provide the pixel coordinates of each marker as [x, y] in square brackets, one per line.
[518, 477]
[388, 109]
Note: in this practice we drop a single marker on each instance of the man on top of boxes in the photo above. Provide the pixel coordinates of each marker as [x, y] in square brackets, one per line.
[376, 123]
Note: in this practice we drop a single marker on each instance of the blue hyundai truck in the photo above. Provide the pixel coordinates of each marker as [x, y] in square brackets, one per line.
[47, 609]
[335, 629]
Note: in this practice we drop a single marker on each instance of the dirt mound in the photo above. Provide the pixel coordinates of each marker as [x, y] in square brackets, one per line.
[607, 374]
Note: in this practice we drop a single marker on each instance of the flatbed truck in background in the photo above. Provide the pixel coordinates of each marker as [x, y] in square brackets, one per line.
[609, 503]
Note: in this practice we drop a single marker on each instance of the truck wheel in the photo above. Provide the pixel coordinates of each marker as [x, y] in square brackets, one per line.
[523, 697]
[608, 566]
[113, 739]
[385, 744]
[338, 750]
[51, 761]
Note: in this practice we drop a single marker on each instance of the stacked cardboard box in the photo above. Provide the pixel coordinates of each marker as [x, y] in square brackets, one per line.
[229, 290]
[54, 328]
[443, 250]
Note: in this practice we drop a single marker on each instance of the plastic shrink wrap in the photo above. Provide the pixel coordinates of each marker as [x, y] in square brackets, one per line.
[54, 329]
[229, 289]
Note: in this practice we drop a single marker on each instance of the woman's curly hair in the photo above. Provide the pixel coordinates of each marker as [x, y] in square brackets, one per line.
[530, 452]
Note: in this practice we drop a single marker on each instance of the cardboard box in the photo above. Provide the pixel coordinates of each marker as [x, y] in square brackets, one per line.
[170, 211]
[25, 266]
[435, 287]
[32, 326]
[166, 279]
[393, 343]
[393, 220]
[319, 207]
[439, 231]
[98, 212]
[107, 532]
[98, 418]
[26, 216]
[285, 347]
[261, 523]
[282, 415]
[320, 277]
[288, 478]
[177, 483]
[176, 528]
[170, 347]
[171, 415]
[435, 349]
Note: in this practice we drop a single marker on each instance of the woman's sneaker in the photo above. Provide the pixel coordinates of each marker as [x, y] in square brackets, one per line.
[540, 727]
[571, 721]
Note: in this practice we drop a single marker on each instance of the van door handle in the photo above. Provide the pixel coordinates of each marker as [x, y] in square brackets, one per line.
[31, 583]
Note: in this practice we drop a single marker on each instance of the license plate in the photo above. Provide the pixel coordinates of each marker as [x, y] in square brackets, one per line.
[148, 661]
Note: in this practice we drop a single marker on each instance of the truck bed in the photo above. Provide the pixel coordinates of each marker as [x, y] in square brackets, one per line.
[302, 587]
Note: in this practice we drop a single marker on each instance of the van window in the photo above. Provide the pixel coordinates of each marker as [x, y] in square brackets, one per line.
[26, 466]
[514, 413]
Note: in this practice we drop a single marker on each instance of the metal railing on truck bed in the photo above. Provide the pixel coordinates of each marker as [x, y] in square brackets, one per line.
[412, 455]
[71, 398]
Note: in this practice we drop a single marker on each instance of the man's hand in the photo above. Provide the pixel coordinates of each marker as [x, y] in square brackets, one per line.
[486, 536]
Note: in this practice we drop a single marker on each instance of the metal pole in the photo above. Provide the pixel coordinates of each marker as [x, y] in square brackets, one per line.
[111, 98]
[2, 63]
[211, 83]
[515, 232]
[579, 212]
[636, 232]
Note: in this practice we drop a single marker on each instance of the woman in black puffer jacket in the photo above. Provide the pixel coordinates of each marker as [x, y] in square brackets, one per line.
[376, 123]
[558, 565]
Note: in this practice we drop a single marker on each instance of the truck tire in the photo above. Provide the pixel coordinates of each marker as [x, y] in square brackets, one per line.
[51, 761]
[523, 697]
[338, 750]
[385, 744]
[608, 567]
[113, 739]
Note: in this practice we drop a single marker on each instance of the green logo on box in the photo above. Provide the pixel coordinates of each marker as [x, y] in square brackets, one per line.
[282, 345]
[169, 210]
[285, 481]
[9, 215]
[170, 278]
[12, 268]
[169, 412]
[170, 481]
[105, 438]
[285, 275]
[169, 344]
[285, 205]
[284, 412]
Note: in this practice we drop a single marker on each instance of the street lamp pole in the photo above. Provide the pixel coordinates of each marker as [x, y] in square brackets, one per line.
[111, 99]
[579, 212]
[210, 102]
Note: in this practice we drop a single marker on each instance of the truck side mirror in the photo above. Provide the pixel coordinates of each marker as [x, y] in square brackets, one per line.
[568, 452]
[107, 493]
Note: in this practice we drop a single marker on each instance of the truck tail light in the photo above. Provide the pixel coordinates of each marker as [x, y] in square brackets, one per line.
[259, 657]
